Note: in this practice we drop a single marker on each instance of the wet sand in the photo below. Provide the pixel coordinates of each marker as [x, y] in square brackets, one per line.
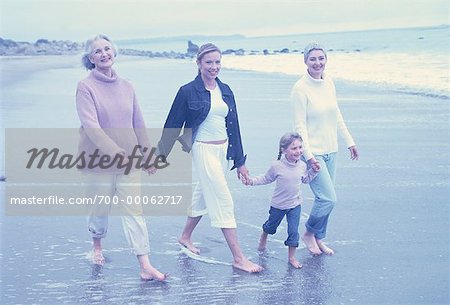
[386, 228]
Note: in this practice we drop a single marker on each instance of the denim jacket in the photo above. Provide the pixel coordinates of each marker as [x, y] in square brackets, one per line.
[189, 109]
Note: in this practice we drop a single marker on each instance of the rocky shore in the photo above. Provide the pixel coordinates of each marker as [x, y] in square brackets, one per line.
[10, 47]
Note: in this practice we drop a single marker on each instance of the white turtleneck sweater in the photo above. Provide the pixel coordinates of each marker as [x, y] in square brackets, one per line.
[317, 117]
[288, 176]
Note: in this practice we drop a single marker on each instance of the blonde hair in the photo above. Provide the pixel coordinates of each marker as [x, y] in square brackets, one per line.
[88, 50]
[207, 48]
[287, 140]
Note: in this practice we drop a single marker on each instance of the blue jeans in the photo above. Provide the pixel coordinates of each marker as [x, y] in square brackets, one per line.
[325, 196]
[293, 219]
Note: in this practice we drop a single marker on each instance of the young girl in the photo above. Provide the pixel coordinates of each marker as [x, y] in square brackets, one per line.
[288, 172]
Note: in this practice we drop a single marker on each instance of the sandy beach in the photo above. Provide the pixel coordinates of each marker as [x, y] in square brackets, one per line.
[386, 228]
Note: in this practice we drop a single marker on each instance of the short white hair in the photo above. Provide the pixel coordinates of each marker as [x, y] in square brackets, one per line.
[311, 47]
[88, 50]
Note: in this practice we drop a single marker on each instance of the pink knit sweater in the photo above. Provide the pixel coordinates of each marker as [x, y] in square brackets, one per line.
[110, 116]
[288, 176]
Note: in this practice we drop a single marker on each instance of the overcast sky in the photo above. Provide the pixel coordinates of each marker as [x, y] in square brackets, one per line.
[80, 19]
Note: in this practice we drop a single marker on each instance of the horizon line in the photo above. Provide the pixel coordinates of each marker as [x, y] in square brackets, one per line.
[197, 35]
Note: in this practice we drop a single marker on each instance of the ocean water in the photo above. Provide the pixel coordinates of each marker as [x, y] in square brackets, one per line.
[391, 203]
[406, 40]
[411, 60]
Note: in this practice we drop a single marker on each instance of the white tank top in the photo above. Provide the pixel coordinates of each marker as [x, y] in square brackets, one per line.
[213, 127]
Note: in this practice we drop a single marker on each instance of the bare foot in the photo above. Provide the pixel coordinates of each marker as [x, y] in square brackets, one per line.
[262, 242]
[295, 263]
[150, 273]
[189, 245]
[324, 248]
[98, 258]
[248, 266]
[311, 244]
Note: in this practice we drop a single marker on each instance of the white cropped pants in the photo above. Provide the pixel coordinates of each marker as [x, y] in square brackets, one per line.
[211, 195]
[133, 222]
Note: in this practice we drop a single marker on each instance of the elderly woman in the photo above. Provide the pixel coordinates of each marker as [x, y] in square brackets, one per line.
[318, 120]
[112, 123]
[206, 109]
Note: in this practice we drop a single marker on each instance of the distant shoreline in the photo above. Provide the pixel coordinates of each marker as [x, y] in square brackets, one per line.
[45, 47]
[393, 68]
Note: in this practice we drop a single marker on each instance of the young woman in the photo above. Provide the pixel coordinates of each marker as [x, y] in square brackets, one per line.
[206, 109]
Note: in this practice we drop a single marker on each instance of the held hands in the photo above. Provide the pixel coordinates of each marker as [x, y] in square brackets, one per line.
[247, 182]
[121, 152]
[151, 170]
[314, 164]
[243, 175]
[353, 152]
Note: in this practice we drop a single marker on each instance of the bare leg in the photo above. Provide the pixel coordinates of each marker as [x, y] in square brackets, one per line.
[148, 272]
[324, 248]
[239, 260]
[98, 252]
[262, 241]
[292, 260]
[311, 243]
[186, 237]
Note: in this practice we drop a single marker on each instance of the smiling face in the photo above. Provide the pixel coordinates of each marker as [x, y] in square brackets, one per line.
[294, 151]
[209, 65]
[316, 62]
[102, 55]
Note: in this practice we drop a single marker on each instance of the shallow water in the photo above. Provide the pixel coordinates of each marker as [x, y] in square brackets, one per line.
[412, 60]
[391, 204]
